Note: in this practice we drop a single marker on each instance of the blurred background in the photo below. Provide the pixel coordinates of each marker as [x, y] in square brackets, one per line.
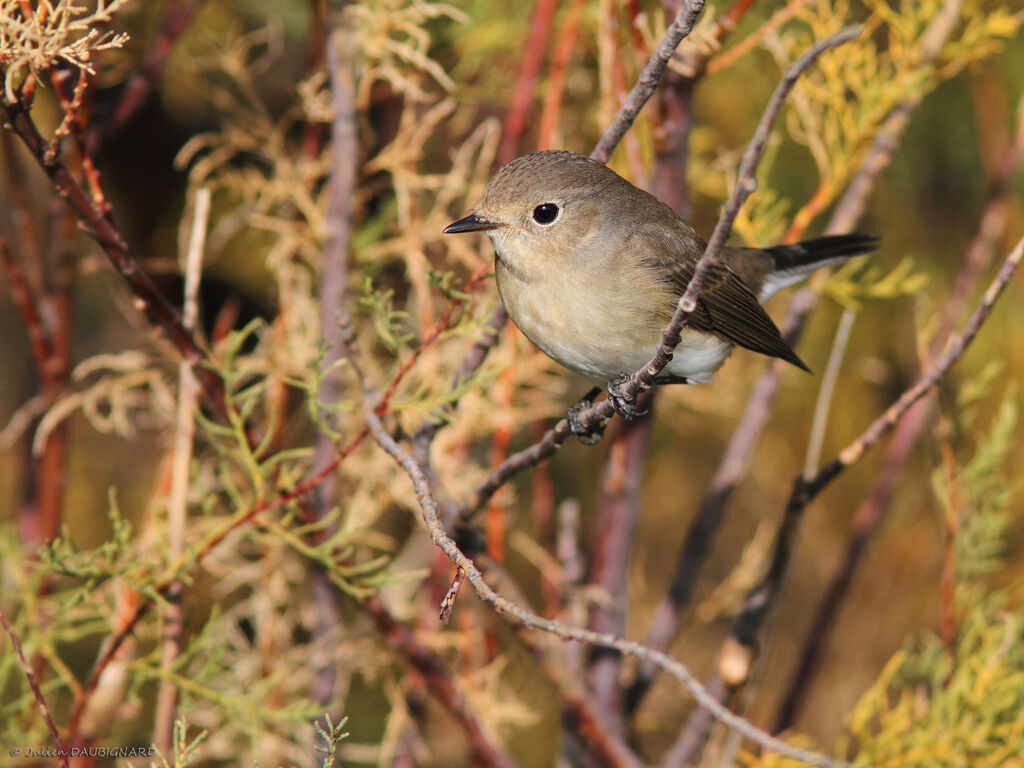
[237, 97]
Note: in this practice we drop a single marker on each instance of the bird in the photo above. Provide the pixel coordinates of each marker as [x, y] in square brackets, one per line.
[590, 268]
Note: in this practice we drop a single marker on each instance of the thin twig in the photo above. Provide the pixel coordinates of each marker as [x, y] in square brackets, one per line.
[618, 510]
[845, 217]
[760, 600]
[806, 490]
[578, 704]
[669, 181]
[453, 592]
[71, 107]
[853, 452]
[648, 80]
[74, 123]
[866, 521]
[612, 135]
[527, 618]
[746, 183]
[310, 483]
[695, 732]
[44, 710]
[511, 135]
[638, 96]
[93, 216]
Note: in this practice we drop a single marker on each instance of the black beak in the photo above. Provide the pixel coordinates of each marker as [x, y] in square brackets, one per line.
[472, 223]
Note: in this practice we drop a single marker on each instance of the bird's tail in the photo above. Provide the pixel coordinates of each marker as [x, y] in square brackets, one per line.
[795, 262]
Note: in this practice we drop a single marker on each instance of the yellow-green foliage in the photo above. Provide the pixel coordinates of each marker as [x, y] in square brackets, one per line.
[838, 107]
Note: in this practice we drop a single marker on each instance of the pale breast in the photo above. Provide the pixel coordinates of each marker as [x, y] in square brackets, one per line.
[599, 326]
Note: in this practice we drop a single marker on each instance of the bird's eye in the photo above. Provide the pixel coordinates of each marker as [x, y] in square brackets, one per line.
[545, 213]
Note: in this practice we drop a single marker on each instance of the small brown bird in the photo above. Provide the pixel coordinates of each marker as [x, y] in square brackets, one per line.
[590, 268]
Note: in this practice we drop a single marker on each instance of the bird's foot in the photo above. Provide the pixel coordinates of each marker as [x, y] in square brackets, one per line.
[588, 435]
[624, 403]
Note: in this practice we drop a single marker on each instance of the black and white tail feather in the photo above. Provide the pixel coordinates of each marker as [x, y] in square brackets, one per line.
[795, 262]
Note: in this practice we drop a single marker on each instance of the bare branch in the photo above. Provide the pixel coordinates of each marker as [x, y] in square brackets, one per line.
[744, 187]
[638, 96]
[742, 637]
[610, 750]
[527, 618]
[341, 69]
[806, 490]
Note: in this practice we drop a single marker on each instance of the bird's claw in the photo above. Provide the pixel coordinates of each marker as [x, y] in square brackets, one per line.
[588, 435]
[624, 403]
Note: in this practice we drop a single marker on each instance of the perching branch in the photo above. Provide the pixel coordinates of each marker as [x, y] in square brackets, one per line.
[739, 650]
[884, 423]
[871, 511]
[645, 86]
[579, 705]
[744, 187]
[732, 468]
[643, 378]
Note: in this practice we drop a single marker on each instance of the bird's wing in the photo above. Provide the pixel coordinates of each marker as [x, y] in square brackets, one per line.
[728, 308]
